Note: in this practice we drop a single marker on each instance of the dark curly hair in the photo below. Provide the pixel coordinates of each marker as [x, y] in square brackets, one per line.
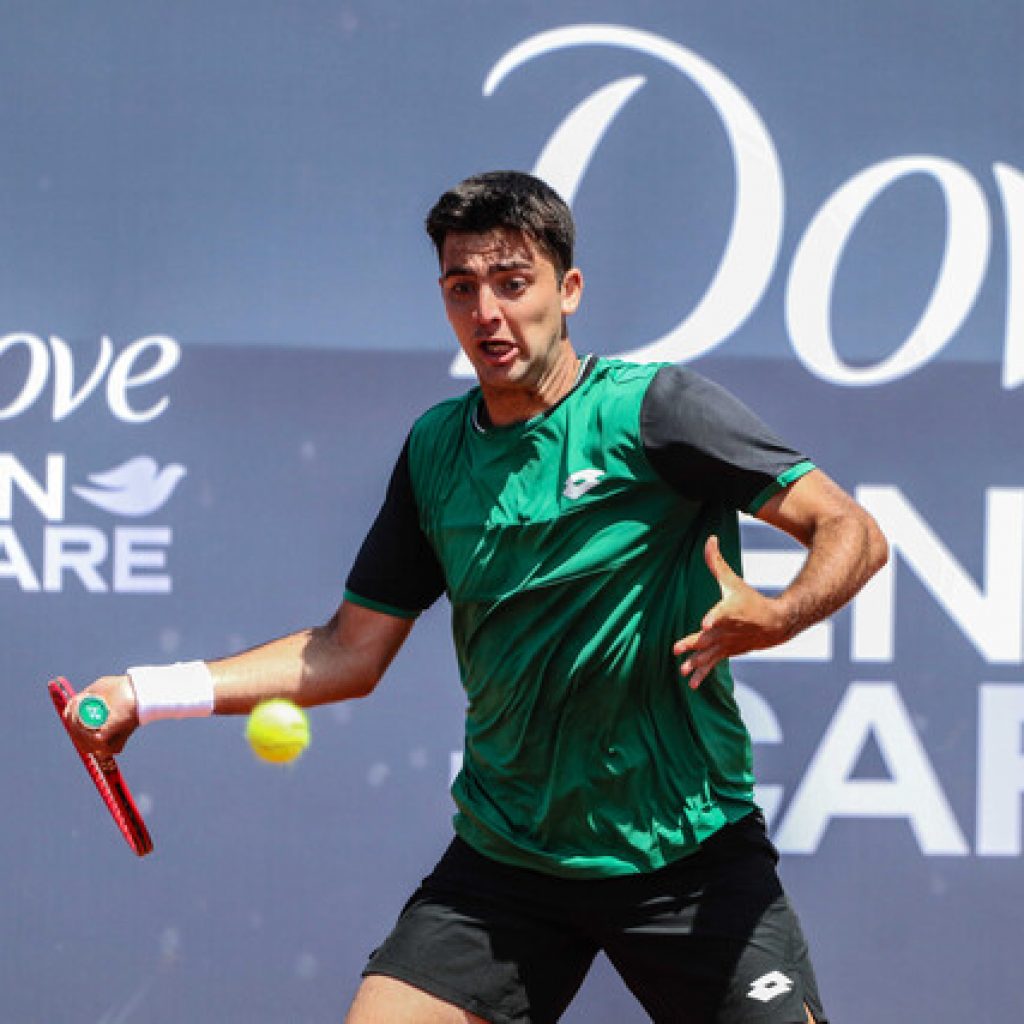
[507, 199]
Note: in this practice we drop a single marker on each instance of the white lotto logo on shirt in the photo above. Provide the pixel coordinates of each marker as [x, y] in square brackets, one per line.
[577, 484]
[126, 557]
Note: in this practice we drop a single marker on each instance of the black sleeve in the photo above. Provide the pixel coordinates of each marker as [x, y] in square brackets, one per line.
[396, 570]
[706, 444]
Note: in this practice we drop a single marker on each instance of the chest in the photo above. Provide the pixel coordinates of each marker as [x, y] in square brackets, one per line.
[544, 507]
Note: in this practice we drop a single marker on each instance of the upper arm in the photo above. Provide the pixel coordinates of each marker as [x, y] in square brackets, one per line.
[708, 446]
[814, 500]
[365, 641]
[396, 570]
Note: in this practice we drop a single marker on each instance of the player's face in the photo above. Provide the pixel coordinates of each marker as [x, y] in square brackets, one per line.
[507, 306]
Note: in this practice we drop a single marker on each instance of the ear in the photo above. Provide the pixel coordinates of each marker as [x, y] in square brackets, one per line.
[572, 290]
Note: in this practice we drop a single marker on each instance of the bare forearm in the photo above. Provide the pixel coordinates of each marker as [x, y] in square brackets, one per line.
[308, 667]
[845, 548]
[844, 552]
[344, 658]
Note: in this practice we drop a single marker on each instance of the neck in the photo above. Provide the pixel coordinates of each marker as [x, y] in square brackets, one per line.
[516, 404]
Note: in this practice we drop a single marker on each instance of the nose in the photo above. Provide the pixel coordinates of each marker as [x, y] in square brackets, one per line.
[486, 310]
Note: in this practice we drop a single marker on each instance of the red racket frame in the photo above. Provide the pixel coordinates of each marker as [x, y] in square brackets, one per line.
[107, 777]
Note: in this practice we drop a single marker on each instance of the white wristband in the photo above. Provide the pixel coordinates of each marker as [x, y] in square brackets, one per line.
[182, 690]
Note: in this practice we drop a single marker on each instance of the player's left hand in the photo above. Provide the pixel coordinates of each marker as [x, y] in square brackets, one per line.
[743, 620]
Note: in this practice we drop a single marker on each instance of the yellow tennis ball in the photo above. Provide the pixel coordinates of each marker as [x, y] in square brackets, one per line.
[277, 730]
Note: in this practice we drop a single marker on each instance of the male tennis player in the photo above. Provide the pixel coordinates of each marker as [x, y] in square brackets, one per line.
[581, 515]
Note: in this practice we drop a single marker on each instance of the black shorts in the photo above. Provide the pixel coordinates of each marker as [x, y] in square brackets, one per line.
[710, 939]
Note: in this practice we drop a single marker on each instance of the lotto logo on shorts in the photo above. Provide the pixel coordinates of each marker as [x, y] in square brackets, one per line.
[768, 986]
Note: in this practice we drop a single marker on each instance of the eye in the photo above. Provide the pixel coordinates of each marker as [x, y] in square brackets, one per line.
[459, 289]
[515, 285]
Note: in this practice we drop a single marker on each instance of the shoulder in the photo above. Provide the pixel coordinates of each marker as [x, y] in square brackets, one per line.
[657, 382]
[661, 390]
[442, 415]
[681, 399]
[705, 442]
[618, 372]
[614, 383]
[673, 382]
[437, 426]
[437, 437]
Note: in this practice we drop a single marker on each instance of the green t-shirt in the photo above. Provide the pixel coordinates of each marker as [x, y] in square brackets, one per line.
[571, 549]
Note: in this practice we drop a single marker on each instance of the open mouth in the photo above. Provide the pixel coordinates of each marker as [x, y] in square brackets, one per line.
[497, 350]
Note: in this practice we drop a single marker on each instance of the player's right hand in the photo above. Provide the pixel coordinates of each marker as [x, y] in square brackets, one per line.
[109, 738]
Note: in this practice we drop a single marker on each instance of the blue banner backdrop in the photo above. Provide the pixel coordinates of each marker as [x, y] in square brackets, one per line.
[218, 317]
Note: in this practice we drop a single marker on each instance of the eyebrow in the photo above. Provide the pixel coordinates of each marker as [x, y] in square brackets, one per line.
[494, 268]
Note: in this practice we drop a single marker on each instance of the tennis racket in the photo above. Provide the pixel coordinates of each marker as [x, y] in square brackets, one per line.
[107, 777]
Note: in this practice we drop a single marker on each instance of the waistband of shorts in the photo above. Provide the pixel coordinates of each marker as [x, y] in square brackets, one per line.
[744, 838]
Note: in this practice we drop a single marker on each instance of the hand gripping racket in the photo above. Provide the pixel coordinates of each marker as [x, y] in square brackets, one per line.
[108, 779]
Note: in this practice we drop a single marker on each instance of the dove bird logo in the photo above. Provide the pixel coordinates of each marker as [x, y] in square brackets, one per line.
[138, 487]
